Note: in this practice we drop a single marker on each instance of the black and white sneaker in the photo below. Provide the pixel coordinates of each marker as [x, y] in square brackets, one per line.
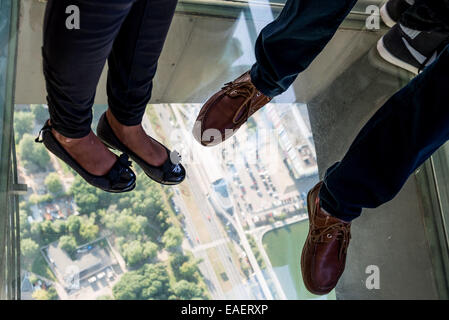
[392, 10]
[410, 49]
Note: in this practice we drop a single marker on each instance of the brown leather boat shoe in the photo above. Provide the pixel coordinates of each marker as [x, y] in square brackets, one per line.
[324, 254]
[227, 110]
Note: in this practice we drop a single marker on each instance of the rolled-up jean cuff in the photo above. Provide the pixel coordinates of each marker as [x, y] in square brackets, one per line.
[66, 130]
[261, 85]
[125, 119]
[68, 133]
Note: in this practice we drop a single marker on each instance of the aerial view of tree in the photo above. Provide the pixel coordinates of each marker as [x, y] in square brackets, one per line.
[59, 227]
[188, 270]
[54, 184]
[85, 196]
[87, 202]
[23, 123]
[88, 231]
[29, 248]
[151, 282]
[150, 249]
[24, 224]
[40, 113]
[130, 286]
[134, 252]
[173, 237]
[32, 153]
[74, 225]
[125, 223]
[185, 290]
[159, 282]
[47, 231]
[68, 244]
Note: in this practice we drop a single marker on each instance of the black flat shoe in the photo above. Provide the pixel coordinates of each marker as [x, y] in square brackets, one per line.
[119, 179]
[168, 173]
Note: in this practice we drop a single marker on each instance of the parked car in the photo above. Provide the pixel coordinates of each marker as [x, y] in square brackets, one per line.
[109, 273]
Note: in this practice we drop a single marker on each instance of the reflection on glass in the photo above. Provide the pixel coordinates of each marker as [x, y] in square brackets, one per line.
[197, 239]
[233, 230]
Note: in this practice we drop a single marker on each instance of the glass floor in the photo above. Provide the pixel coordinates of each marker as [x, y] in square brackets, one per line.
[235, 228]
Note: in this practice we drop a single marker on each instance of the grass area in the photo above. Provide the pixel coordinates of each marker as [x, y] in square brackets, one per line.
[219, 269]
[171, 275]
[154, 120]
[256, 251]
[235, 257]
[195, 214]
[41, 268]
[283, 247]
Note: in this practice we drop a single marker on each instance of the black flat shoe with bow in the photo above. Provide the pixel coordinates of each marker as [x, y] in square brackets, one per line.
[168, 173]
[119, 179]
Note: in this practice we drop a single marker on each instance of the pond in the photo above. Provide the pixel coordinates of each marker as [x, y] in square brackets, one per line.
[284, 247]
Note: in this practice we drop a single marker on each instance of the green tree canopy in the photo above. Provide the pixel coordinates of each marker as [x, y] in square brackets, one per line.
[59, 227]
[23, 123]
[130, 286]
[48, 231]
[185, 290]
[135, 252]
[88, 231]
[32, 153]
[24, 224]
[173, 237]
[151, 282]
[68, 244]
[40, 113]
[159, 282]
[29, 248]
[125, 223]
[188, 270]
[85, 196]
[74, 225]
[54, 184]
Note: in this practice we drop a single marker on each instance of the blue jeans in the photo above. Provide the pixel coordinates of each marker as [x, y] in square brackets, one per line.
[400, 136]
[404, 132]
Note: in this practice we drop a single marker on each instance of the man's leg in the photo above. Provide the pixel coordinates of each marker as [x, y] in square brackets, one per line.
[396, 141]
[420, 35]
[284, 48]
[289, 44]
[402, 134]
[427, 15]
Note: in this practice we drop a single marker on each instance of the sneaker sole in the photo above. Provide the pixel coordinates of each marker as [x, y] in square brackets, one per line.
[386, 55]
[386, 17]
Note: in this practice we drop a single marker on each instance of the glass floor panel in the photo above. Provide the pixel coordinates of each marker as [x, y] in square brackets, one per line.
[235, 228]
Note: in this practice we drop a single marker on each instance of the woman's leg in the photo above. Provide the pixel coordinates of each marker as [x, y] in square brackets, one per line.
[73, 61]
[132, 66]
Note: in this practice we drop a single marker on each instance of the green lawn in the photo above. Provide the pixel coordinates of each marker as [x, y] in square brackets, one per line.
[284, 246]
[40, 267]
